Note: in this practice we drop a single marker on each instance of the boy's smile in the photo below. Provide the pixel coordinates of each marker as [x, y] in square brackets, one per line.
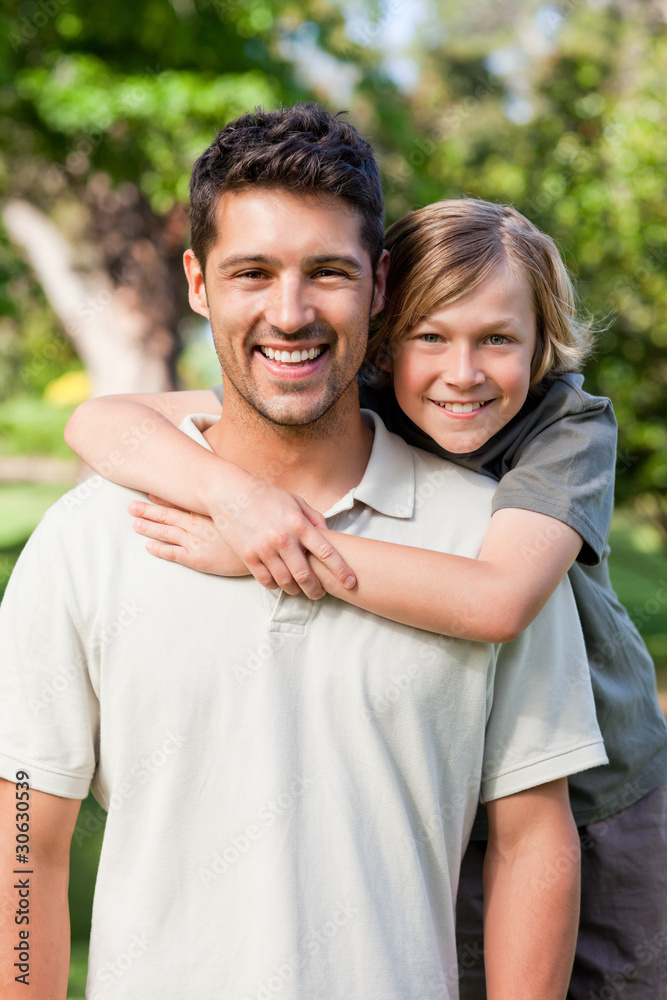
[464, 371]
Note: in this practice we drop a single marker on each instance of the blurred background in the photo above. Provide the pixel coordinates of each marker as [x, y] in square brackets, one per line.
[557, 108]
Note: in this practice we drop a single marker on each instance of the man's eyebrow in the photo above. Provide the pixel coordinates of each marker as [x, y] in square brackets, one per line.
[350, 262]
[255, 260]
[241, 260]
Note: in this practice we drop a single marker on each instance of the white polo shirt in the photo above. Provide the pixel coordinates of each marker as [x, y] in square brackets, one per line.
[290, 784]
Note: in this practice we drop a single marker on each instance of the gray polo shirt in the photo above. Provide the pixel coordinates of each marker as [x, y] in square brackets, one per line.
[557, 456]
[290, 784]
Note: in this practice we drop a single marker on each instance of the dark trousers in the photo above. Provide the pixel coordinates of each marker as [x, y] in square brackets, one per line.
[622, 942]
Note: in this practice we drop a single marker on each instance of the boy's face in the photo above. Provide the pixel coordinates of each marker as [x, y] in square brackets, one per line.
[464, 371]
[289, 292]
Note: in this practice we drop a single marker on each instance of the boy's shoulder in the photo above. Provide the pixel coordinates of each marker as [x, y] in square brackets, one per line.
[564, 395]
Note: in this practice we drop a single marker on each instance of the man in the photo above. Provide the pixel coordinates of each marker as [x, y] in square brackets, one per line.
[290, 784]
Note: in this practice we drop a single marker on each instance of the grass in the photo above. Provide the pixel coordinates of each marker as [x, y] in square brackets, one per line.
[78, 970]
[21, 507]
[638, 569]
[31, 426]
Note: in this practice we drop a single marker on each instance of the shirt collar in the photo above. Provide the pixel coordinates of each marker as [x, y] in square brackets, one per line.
[387, 485]
[194, 426]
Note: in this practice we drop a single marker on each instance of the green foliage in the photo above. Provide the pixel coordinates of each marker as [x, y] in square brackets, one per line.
[588, 167]
[150, 126]
[136, 99]
[32, 350]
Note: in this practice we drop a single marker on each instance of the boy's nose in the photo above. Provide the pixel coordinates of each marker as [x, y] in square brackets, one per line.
[288, 308]
[462, 368]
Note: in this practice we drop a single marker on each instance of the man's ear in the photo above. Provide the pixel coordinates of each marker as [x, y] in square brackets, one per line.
[196, 286]
[380, 283]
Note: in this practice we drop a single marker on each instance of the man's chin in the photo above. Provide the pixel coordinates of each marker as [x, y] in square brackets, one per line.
[307, 418]
[295, 412]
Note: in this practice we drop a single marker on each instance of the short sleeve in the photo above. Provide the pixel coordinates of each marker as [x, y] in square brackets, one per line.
[48, 710]
[542, 725]
[566, 469]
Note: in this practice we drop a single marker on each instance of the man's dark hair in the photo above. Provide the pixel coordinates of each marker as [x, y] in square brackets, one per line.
[302, 148]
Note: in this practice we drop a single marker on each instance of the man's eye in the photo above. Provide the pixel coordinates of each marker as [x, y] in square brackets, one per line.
[328, 272]
[497, 340]
[251, 274]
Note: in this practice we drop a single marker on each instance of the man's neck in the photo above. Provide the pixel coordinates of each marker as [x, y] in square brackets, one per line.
[320, 462]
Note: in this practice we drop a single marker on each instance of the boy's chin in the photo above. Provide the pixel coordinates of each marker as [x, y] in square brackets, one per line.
[464, 444]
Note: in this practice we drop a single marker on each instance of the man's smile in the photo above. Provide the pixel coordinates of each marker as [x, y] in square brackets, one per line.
[293, 356]
[291, 362]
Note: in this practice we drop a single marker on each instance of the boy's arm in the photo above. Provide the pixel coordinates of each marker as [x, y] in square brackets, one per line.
[134, 441]
[43, 883]
[531, 894]
[489, 599]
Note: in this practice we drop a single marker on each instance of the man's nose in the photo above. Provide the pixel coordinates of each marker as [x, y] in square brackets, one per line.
[289, 307]
[462, 368]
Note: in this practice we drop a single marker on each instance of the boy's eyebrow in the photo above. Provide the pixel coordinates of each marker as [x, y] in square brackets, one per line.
[241, 260]
[496, 324]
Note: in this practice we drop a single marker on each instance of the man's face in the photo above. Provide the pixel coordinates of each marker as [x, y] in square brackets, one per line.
[289, 292]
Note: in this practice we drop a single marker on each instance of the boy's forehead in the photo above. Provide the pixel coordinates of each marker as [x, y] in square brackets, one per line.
[253, 220]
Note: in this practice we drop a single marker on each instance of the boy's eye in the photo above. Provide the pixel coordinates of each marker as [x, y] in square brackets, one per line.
[497, 340]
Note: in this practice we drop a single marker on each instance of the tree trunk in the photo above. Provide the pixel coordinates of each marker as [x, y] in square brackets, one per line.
[126, 341]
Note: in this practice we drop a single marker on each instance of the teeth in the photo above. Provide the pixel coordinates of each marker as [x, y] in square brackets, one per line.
[291, 357]
[462, 407]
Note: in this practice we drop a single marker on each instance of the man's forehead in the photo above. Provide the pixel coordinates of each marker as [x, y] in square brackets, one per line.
[251, 220]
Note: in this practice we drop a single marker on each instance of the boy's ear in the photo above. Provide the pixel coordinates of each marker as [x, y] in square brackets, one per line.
[380, 283]
[196, 286]
[386, 359]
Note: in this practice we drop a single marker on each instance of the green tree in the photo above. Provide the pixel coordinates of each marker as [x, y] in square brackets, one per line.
[560, 111]
[557, 109]
[103, 114]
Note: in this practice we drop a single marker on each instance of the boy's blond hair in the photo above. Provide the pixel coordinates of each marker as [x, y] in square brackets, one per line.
[440, 252]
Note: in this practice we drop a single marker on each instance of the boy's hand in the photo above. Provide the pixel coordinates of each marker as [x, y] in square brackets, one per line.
[273, 547]
[183, 537]
[272, 531]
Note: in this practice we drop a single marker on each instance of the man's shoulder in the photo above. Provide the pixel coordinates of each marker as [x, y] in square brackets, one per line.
[433, 470]
[426, 465]
[90, 521]
[453, 504]
[90, 500]
[429, 467]
[445, 507]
